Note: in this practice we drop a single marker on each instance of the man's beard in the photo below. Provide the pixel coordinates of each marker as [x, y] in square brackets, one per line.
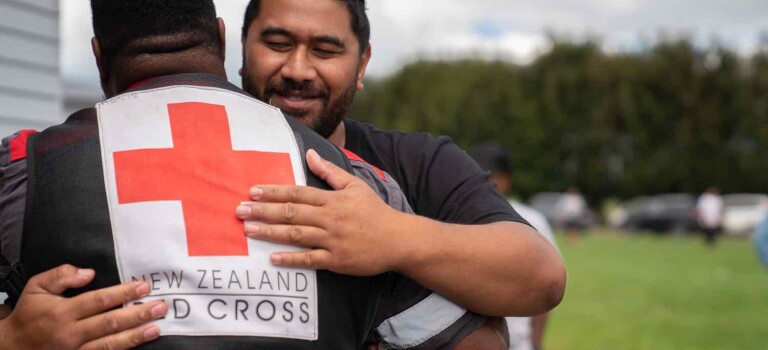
[331, 114]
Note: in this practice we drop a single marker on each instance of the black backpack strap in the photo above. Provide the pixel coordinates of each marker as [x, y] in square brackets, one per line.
[13, 284]
[327, 150]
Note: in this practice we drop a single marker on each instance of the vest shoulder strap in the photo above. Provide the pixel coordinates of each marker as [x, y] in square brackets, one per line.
[327, 150]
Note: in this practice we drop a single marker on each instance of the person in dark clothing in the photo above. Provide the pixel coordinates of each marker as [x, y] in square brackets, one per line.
[308, 58]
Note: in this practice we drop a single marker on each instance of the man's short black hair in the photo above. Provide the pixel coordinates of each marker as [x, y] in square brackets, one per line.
[119, 24]
[360, 24]
[492, 157]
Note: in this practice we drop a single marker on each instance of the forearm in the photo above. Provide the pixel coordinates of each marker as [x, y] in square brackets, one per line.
[538, 324]
[500, 269]
[5, 334]
[5, 310]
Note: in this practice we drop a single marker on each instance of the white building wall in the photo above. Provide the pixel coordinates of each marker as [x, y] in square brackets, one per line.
[30, 88]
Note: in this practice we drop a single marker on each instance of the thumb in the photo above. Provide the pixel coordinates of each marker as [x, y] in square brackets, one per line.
[329, 172]
[58, 280]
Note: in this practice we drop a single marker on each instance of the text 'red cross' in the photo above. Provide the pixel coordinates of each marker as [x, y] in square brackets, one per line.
[204, 173]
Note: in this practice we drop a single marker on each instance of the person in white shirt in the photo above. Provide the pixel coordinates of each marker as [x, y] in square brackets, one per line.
[525, 333]
[709, 210]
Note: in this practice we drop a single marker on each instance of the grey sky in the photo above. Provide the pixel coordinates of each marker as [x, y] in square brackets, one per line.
[403, 30]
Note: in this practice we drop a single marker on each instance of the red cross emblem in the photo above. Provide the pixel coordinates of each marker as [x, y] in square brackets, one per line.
[204, 173]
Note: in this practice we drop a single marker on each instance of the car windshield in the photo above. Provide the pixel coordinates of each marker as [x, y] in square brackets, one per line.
[662, 203]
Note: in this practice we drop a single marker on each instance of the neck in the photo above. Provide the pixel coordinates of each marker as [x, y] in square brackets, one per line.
[339, 136]
[146, 66]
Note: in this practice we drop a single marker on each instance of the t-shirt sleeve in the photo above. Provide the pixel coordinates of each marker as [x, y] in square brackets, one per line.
[13, 190]
[446, 184]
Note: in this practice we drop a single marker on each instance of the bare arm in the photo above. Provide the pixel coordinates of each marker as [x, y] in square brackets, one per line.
[496, 269]
[538, 323]
[4, 311]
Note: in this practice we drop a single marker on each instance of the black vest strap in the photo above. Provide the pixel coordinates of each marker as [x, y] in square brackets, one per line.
[13, 283]
[67, 216]
[327, 150]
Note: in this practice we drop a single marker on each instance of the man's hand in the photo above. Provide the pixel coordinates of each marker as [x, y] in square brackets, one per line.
[43, 319]
[342, 228]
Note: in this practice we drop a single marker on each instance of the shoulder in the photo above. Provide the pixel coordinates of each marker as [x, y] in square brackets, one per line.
[383, 139]
[439, 179]
[364, 167]
[382, 183]
[13, 157]
[14, 147]
[407, 154]
[13, 179]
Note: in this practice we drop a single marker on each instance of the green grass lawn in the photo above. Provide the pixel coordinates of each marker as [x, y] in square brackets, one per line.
[629, 292]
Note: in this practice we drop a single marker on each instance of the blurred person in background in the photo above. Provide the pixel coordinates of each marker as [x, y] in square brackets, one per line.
[709, 211]
[760, 238]
[571, 211]
[525, 333]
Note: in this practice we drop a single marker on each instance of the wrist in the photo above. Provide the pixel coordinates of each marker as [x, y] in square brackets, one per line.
[419, 246]
[6, 334]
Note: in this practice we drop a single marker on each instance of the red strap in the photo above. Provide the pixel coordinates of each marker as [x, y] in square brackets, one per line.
[357, 158]
[18, 145]
[136, 84]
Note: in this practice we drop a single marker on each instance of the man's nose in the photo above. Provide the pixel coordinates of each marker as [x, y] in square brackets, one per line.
[299, 67]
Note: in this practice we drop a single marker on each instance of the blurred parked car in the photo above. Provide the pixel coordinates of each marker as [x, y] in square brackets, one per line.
[742, 212]
[671, 212]
[547, 204]
[618, 216]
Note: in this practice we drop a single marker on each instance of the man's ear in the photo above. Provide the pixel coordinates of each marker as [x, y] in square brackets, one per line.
[99, 57]
[222, 38]
[364, 59]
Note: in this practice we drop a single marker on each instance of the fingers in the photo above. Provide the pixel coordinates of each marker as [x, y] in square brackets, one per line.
[281, 213]
[317, 259]
[115, 321]
[294, 235]
[329, 172]
[293, 194]
[125, 339]
[58, 280]
[98, 301]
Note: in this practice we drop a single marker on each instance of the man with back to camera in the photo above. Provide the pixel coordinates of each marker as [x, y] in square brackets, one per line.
[308, 57]
[525, 333]
[160, 58]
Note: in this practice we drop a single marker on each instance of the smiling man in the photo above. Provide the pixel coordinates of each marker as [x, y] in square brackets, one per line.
[316, 84]
[308, 57]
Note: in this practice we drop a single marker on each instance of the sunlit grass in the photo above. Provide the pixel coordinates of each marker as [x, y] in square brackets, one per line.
[632, 292]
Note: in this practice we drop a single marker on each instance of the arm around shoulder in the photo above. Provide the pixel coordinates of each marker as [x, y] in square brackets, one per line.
[498, 269]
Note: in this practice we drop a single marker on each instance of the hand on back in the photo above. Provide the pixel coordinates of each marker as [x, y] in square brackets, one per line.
[44, 319]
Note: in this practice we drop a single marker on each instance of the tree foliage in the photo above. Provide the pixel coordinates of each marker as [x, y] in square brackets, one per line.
[669, 118]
